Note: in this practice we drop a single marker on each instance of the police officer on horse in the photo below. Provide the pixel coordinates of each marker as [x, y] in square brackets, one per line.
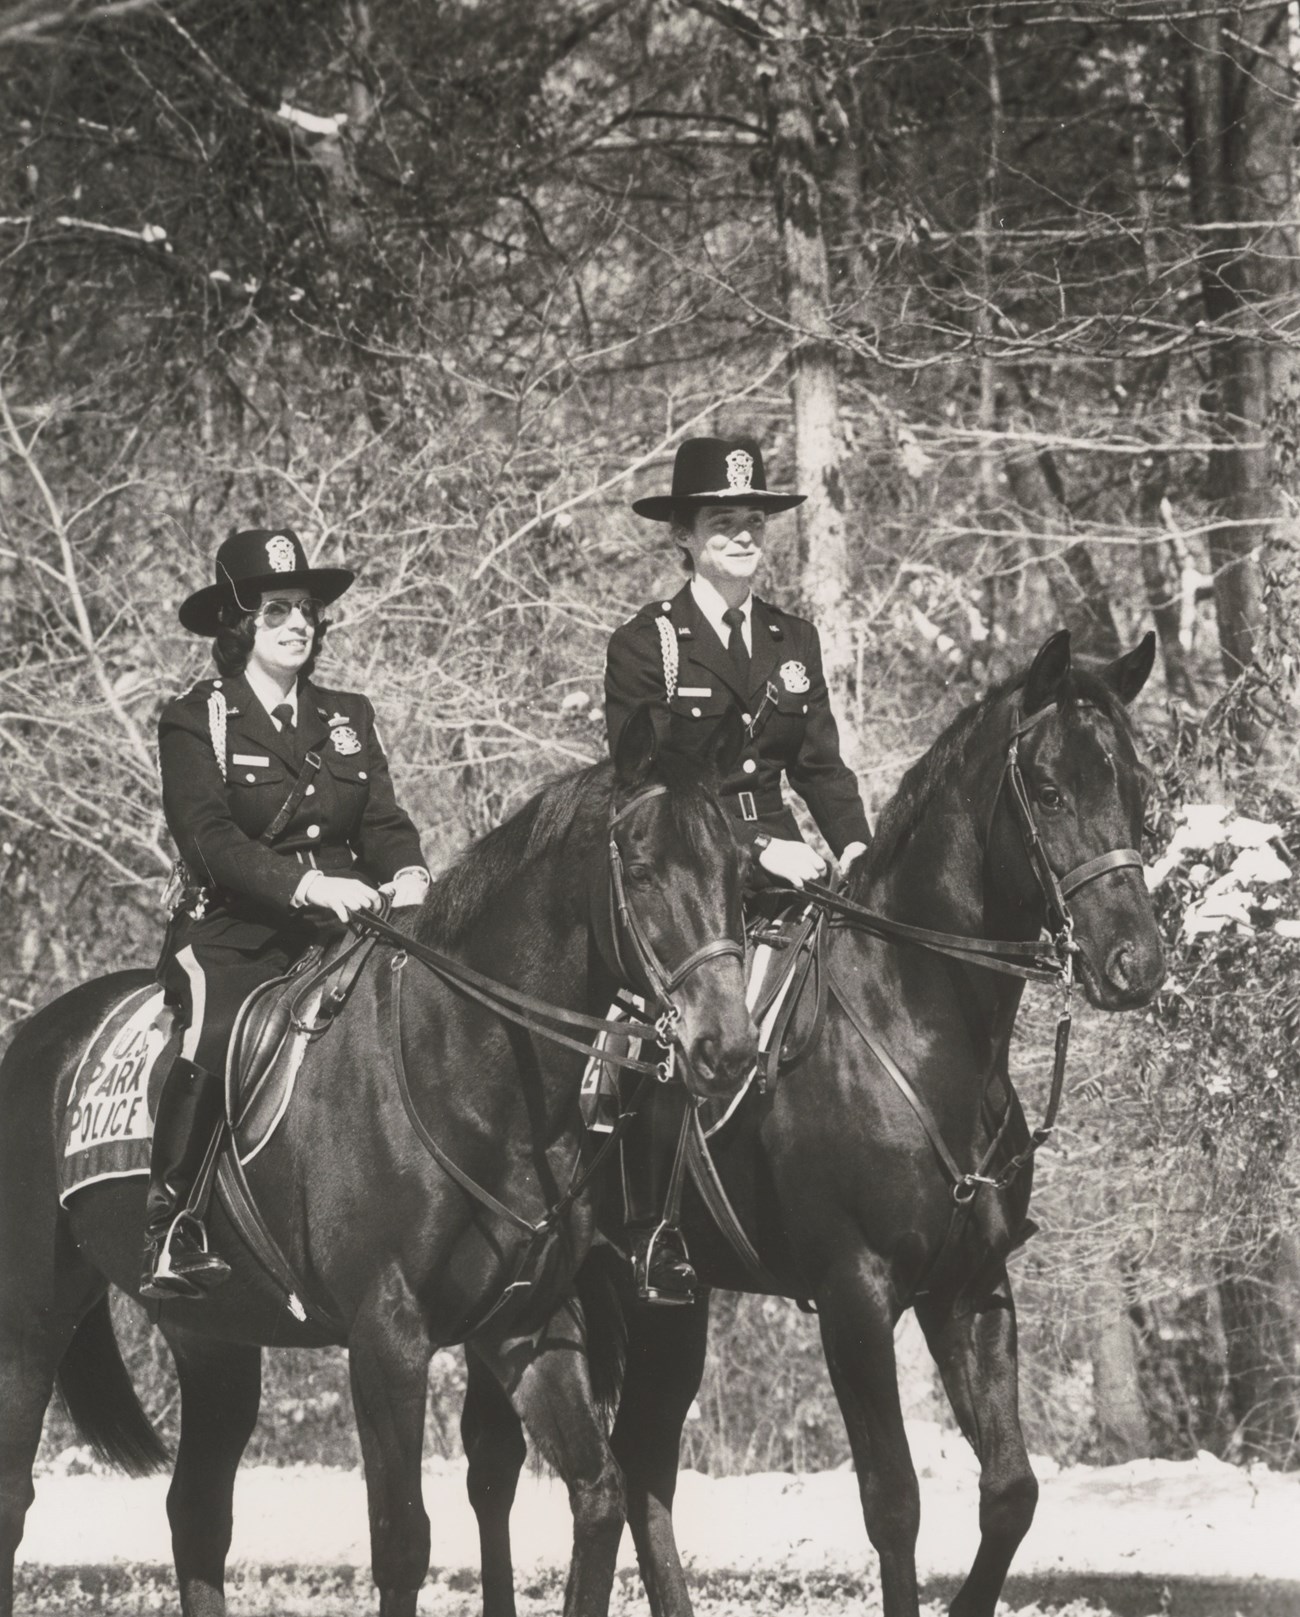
[277, 793]
[712, 649]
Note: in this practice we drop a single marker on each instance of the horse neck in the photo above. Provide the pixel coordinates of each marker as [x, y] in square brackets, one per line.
[938, 880]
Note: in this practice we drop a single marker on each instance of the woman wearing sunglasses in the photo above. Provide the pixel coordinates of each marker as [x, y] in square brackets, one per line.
[277, 794]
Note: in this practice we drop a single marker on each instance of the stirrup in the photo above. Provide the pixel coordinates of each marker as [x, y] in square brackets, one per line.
[664, 1243]
[160, 1283]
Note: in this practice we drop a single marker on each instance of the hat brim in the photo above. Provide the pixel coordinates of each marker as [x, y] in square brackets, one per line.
[200, 613]
[664, 507]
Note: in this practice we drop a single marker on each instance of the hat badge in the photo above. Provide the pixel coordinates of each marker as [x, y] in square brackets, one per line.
[279, 554]
[740, 469]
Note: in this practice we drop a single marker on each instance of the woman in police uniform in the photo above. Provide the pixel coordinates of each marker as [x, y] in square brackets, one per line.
[277, 793]
[713, 648]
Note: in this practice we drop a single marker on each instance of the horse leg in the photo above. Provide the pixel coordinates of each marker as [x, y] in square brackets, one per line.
[221, 1388]
[32, 1341]
[665, 1364]
[46, 1289]
[493, 1437]
[548, 1380]
[976, 1356]
[857, 1327]
[389, 1349]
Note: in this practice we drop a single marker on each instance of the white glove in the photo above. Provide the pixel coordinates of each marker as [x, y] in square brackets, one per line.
[854, 851]
[407, 887]
[792, 862]
[345, 895]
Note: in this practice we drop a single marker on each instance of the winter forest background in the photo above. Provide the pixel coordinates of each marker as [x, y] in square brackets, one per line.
[1009, 288]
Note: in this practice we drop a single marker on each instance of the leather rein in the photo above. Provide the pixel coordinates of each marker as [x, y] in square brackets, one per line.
[1028, 960]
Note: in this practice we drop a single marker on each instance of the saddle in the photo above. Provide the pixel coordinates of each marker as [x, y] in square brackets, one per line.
[277, 1023]
[107, 1125]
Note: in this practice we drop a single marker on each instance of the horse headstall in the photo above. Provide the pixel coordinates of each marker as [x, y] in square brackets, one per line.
[625, 924]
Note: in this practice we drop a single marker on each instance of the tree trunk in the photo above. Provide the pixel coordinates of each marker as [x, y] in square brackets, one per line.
[1162, 579]
[1077, 588]
[1238, 98]
[823, 540]
[1122, 1430]
[1260, 1308]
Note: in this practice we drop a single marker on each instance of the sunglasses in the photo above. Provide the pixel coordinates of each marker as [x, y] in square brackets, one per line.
[274, 613]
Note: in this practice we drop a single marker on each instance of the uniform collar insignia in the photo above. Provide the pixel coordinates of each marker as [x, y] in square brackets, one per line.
[336, 718]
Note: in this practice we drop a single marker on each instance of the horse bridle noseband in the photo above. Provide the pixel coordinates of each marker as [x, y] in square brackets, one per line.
[623, 922]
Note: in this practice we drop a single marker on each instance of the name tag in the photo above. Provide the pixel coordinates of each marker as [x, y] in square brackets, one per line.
[695, 690]
[249, 758]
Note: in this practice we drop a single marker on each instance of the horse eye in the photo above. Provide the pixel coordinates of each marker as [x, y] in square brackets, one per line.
[1049, 797]
[640, 874]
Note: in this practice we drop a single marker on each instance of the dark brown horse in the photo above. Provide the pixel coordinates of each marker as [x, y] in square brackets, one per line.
[862, 1199]
[382, 1237]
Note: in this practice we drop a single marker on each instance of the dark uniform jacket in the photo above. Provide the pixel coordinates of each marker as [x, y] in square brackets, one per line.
[787, 705]
[348, 822]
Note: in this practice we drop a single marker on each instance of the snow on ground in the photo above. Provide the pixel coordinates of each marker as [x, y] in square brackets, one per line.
[1192, 1519]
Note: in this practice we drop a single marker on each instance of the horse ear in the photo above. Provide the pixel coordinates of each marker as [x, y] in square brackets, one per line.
[1128, 674]
[728, 743]
[637, 745]
[1048, 672]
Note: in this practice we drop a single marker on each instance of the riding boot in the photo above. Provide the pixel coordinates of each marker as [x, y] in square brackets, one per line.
[661, 1266]
[177, 1262]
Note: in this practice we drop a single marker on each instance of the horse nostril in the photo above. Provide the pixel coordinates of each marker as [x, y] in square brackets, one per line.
[704, 1053]
[1119, 965]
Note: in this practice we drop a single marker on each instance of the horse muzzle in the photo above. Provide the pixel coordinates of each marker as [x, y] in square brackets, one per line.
[1129, 972]
[721, 1049]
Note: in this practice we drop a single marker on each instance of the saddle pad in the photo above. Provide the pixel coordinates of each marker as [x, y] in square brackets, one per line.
[107, 1127]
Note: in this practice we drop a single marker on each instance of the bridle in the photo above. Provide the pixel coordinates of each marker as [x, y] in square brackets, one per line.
[624, 923]
[1027, 960]
[1056, 890]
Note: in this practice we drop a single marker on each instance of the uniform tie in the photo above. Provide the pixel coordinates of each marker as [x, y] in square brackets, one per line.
[734, 618]
[284, 713]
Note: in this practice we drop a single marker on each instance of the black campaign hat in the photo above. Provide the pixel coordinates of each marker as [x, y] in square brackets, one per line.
[254, 560]
[716, 471]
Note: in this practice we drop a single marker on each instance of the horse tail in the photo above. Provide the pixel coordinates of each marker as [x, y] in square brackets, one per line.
[602, 1306]
[100, 1398]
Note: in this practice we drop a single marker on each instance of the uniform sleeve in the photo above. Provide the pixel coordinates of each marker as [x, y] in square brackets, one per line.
[388, 841]
[198, 815]
[819, 774]
[633, 675]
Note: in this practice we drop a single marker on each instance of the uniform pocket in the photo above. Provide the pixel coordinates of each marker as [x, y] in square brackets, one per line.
[248, 769]
[700, 702]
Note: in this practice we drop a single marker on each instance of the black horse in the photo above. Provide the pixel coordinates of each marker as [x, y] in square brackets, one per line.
[865, 1200]
[633, 861]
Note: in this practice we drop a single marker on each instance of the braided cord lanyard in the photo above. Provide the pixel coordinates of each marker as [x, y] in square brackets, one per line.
[670, 654]
[217, 728]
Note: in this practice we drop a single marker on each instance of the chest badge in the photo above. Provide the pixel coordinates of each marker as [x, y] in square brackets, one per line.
[345, 740]
[794, 676]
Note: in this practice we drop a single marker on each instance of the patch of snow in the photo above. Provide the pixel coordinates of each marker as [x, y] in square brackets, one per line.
[1195, 1518]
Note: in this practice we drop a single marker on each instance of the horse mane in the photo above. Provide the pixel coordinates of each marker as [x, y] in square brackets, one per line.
[949, 756]
[493, 864]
